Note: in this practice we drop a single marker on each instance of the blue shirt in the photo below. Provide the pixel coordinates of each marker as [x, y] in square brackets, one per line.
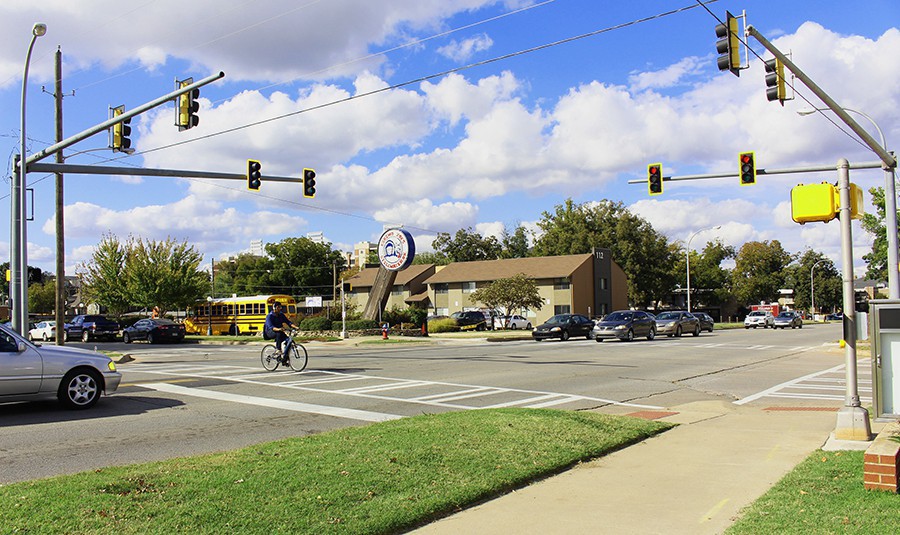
[276, 319]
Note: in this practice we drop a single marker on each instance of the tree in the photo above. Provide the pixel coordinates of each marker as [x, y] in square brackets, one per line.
[301, 266]
[42, 297]
[164, 274]
[436, 258]
[515, 244]
[876, 260]
[467, 246]
[826, 281]
[512, 294]
[759, 271]
[642, 252]
[710, 282]
[103, 276]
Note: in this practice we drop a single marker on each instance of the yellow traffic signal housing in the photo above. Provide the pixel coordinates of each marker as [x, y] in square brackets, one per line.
[857, 209]
[775, 86]
[655, 179]
[729, 45]
[814, 202]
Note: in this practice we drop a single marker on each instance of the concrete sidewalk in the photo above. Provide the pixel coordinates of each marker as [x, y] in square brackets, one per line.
[693, 479]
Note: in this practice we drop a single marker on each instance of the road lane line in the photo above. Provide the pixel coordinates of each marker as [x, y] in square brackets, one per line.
[366, 416]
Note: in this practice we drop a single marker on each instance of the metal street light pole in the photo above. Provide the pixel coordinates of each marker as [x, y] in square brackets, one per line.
[890, 211]
[687, 255]
[18, 255]
[812, 295]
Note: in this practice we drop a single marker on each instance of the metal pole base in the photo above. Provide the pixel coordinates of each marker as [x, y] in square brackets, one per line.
[853, 424]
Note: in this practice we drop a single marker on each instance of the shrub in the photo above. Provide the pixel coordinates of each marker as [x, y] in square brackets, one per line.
[316, 323]
[359, 325]
[444, 325]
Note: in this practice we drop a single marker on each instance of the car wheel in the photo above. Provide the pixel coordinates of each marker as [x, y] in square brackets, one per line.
[565, 336]
[65, 336]
[697, 331]
[79, 389]
[150, 338]
[800, 326]
[85, 336]
[528, 326]
[126, 338]
[629, 336]
[652, 334]
[44, 337]
[746, 326]
[678, 331]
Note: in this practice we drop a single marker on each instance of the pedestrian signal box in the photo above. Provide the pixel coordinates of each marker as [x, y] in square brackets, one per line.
[814, 202]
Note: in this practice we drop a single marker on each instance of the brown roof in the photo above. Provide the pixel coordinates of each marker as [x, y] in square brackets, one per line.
[366, 277]
[541, 267]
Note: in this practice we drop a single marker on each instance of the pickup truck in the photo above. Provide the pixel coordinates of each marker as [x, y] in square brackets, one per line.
[87, 327]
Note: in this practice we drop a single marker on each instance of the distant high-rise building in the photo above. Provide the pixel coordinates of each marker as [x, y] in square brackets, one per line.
[256, 248]
[318, 237]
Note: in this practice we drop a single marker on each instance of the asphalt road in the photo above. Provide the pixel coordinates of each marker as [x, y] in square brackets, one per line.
[179, 400]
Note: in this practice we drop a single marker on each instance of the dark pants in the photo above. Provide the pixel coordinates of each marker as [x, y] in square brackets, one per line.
[280, 338]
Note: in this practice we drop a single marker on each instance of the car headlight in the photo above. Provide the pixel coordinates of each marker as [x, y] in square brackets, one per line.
[620, 327]
[555, 329]
[111, 366]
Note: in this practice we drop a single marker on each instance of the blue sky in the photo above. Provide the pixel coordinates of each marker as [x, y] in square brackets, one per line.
[490, 146]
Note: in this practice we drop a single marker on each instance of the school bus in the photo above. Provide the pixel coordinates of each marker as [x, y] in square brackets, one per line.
[236, 315]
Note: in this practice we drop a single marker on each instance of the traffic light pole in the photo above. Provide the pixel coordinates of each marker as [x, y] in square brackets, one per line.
[139, 171]
[852, 418]
[889, 162]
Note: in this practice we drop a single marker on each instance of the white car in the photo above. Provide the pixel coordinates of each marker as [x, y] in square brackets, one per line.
[759, 318]
[511, 322]
[44, 330]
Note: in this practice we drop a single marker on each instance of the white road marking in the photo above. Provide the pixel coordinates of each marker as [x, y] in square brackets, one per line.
[813, 381]
[366, 416]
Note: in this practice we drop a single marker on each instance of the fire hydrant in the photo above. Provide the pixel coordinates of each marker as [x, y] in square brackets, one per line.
[384, 331]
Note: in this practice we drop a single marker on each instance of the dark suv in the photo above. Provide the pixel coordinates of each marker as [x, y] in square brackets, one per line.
[470, 320]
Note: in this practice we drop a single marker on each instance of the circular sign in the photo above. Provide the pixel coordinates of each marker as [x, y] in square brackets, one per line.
[396, 249]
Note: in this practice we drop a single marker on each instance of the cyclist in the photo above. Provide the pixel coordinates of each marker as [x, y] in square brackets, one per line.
[276, 323]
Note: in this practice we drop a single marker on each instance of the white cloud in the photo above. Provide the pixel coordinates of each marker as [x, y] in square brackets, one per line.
[461, 51]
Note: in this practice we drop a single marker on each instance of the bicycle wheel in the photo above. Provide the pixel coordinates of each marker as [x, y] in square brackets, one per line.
[268, 358]
[298, 357]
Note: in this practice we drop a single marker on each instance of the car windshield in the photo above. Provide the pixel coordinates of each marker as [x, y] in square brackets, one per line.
[668, 316]
[756, 313]
[164, 321]
[559, 318]
[618, 316]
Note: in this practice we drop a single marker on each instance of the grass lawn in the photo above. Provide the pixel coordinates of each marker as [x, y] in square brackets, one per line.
[823, 494]
[382, 478]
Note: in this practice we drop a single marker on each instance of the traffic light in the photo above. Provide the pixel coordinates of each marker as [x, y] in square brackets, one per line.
[309, 183]
[775, 86]
[254, 174]
[654, 178]
[728, 46]
[814, 202]
[186, 112]
[121, 132]
[748, 169]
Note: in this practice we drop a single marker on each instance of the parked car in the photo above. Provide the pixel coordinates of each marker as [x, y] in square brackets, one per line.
[470, 320]
[76, 377]
[788, 318]
[564, 326]
[839, 316]
[43, 330]
[677, 322]
[759, 318]
[154, 330]
[87, 327]
[511, 322]
[625, 325]
[706, 321]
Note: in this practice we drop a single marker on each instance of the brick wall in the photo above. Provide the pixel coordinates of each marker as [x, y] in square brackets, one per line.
[882, 460]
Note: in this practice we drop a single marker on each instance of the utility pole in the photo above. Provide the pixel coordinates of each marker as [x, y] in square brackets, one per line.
[60, 227]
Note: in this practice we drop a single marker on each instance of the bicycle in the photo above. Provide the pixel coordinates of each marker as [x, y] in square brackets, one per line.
[297, 356]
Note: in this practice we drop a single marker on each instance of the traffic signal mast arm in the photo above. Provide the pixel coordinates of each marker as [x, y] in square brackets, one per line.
[763, 172]
[136, 171]
[53, 149]
[889, 161]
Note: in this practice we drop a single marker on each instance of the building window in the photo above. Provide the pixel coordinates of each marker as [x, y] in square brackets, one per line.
[604, 283]
[441, 311]
[561, 284]
[441, 288]
[468, 287]
[562, 309]
[397, 289]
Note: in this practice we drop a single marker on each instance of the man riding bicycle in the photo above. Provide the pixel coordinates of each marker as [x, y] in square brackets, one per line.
[276, 324]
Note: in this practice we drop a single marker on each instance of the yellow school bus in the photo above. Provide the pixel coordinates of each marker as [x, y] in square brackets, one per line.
[236, 315]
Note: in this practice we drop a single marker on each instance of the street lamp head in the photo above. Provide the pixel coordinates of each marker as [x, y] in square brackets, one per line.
[39, 29]
[804, 113]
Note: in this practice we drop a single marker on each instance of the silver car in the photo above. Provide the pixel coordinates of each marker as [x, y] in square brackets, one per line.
[676, 322]
[76, 377]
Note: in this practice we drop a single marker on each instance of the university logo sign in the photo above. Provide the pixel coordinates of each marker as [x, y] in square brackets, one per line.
[396, 249]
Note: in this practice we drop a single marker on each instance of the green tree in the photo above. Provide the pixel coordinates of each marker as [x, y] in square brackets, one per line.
[103, 276]
[512, 294]
[164, 274]
[710, 282]
[759, 271]
[301, 266]
[826, 281]
[42, 297]
[876, 259]
[467, 246]
[436, 258]
[643, 253]
[514, 244]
